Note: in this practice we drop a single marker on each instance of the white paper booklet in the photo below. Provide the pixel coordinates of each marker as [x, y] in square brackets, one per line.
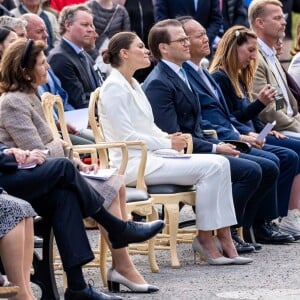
[78, 118]
[102, 174]
[268, 127]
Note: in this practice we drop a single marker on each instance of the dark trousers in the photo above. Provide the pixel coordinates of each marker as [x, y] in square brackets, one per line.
[57, 191]
[246, 178]
[288, 168]
[263, 203]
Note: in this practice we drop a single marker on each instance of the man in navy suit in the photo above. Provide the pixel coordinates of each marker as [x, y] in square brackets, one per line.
[206, 12]
[216, 114]
[70, 63]
[176, 108]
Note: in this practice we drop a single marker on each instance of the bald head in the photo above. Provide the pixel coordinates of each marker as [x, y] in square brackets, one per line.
[36, 28]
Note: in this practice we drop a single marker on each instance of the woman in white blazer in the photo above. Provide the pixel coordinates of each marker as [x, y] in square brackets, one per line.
[126, 115]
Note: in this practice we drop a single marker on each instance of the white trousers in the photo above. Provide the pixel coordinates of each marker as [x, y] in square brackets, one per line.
[210, 173]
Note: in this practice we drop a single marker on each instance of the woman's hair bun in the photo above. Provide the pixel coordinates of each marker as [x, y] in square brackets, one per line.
[106, 56]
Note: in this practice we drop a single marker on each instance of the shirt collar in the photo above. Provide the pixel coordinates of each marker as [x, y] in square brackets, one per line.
[193, 65]
[173, 66]
[269, 52]
[74, 46]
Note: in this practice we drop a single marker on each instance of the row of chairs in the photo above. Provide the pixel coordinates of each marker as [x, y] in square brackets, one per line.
[141, 199]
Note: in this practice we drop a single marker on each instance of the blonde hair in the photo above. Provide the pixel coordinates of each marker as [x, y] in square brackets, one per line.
[226, 59]
[257, 9]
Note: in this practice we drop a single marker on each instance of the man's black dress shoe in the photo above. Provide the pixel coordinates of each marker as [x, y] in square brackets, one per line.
[250, 238]
[240, 245]
[269, 233]
[135, 232]
[88, 293]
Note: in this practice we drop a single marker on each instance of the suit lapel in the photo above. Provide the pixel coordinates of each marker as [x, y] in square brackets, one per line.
[174, 78]
[196, 77]
[144, 106]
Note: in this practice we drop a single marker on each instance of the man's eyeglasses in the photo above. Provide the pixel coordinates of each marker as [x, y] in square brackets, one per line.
[182, 41]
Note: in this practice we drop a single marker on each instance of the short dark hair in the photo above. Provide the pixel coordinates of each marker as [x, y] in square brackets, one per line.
[121, 40]
[68, 15]
[13, 76]
[159, 34]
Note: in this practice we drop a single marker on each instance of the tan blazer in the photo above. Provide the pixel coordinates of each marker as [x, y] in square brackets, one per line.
[264, 75]
[23, 124]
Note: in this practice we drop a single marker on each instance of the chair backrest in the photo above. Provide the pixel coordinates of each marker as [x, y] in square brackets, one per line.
[50, 103]
[96, 126]
[97, 129]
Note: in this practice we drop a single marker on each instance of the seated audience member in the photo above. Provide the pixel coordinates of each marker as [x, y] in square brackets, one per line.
[294, 67]
[109, 18]
[268, 22]
[208, 13]
[36, 30]
[70, 63]
[176, 107]
[24, 126]
[58, 192]
[16, 239]
[291, 82]
[7, 36]
[233, 68]
[122, 96]
[18, 25]
[28, 6]
[217, 116]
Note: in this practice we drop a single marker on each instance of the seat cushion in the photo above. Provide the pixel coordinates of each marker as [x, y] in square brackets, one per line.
[169, 188]
[135, 195]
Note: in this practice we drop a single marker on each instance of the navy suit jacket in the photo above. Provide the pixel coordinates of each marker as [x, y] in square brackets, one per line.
[175, 107]
[208, 13]
[72, 73]
[215, 112]
[7, 162]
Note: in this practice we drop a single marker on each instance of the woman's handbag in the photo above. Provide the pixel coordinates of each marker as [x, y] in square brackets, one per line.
[105, 68]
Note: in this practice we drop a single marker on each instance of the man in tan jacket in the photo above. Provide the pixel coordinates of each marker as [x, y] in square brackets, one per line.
[267, 20]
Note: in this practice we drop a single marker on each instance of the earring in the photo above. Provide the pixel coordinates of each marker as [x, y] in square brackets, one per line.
[28, 78]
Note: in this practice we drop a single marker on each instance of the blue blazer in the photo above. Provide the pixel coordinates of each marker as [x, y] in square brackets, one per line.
[175, 107]
[208, 13]
[72, 74]
[215, 112]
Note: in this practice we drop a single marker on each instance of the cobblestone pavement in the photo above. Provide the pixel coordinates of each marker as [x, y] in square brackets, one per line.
[274, 274]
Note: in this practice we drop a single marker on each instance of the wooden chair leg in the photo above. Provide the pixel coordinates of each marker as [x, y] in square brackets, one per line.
[172, 212]
[103, 249]
[151, 245]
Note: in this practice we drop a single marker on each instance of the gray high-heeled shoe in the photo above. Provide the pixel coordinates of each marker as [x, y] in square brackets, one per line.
[197, 247]
[238, 260]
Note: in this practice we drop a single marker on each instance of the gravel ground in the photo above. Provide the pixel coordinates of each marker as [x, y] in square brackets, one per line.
[274, 274]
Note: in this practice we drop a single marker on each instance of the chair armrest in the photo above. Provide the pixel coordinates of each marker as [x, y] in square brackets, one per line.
[105, 146]
[211, 132]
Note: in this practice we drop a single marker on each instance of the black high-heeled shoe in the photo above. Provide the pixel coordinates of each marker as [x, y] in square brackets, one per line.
[136, 232]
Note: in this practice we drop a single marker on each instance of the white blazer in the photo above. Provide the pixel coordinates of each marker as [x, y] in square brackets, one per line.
[126, 115]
